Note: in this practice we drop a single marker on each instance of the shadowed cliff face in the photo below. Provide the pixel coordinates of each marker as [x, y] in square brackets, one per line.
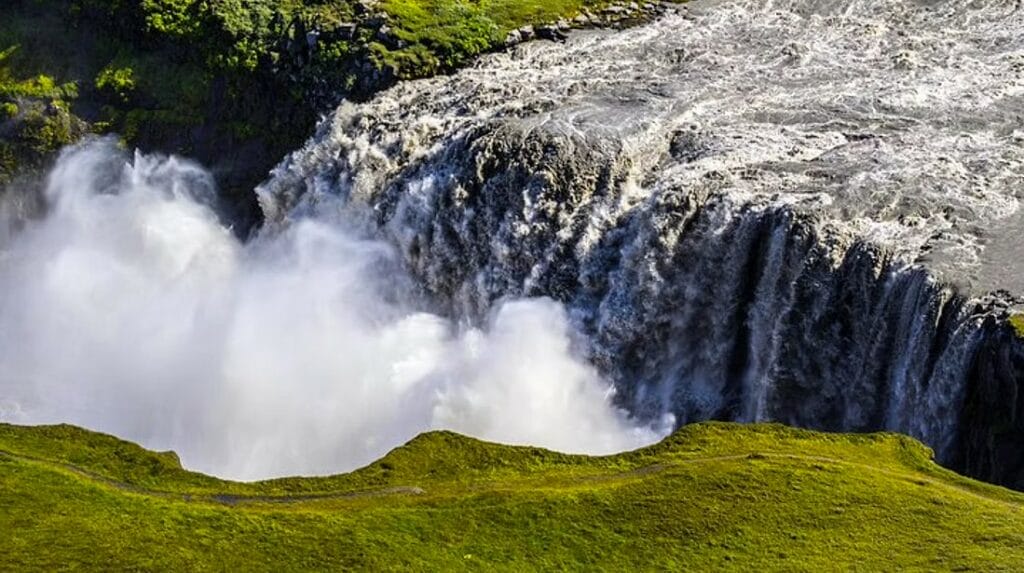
[992, 436]
[753, 211]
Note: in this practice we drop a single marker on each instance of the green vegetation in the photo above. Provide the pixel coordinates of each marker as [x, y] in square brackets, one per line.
[35, 117]
[221, 81]
[1017, 321]
[118, 81]
[440, 35]
[712, 496]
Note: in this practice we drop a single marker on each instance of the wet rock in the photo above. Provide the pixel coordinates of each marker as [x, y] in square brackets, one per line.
[513, 38]
[345, 31]
[552, 33]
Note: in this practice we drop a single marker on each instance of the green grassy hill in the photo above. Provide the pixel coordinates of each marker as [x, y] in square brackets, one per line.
[716, 496]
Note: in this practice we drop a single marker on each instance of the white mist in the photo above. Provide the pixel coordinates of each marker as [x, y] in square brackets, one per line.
[128, 308]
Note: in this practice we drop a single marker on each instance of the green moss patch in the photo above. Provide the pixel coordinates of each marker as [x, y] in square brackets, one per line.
[1017, 322]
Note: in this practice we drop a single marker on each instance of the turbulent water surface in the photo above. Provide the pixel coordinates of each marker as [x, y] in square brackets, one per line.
[895, 121]
[746, 210]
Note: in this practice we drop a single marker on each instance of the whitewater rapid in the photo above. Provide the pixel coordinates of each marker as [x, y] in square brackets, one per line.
[897, 122]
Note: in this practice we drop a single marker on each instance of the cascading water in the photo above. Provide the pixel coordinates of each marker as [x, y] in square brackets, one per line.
[751, 210]
[127, 307]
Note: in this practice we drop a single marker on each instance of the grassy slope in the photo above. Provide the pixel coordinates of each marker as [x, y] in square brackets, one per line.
[713, 495]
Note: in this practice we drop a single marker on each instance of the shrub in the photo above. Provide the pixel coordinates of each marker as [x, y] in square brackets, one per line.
[116, 81]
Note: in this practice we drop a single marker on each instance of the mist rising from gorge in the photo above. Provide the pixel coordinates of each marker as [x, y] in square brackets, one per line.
[130, 309]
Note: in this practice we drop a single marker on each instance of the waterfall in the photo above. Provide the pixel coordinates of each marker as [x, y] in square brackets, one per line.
[750, 210]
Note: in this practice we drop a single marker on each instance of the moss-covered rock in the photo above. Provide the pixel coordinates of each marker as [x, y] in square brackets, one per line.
[39, 129]
[35, 118]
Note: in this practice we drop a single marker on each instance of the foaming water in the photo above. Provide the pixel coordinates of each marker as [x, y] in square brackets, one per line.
[895, 121]
[128, 308]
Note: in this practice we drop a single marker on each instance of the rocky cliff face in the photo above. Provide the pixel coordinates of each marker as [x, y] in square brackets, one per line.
[992, 421]
[751, 213]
